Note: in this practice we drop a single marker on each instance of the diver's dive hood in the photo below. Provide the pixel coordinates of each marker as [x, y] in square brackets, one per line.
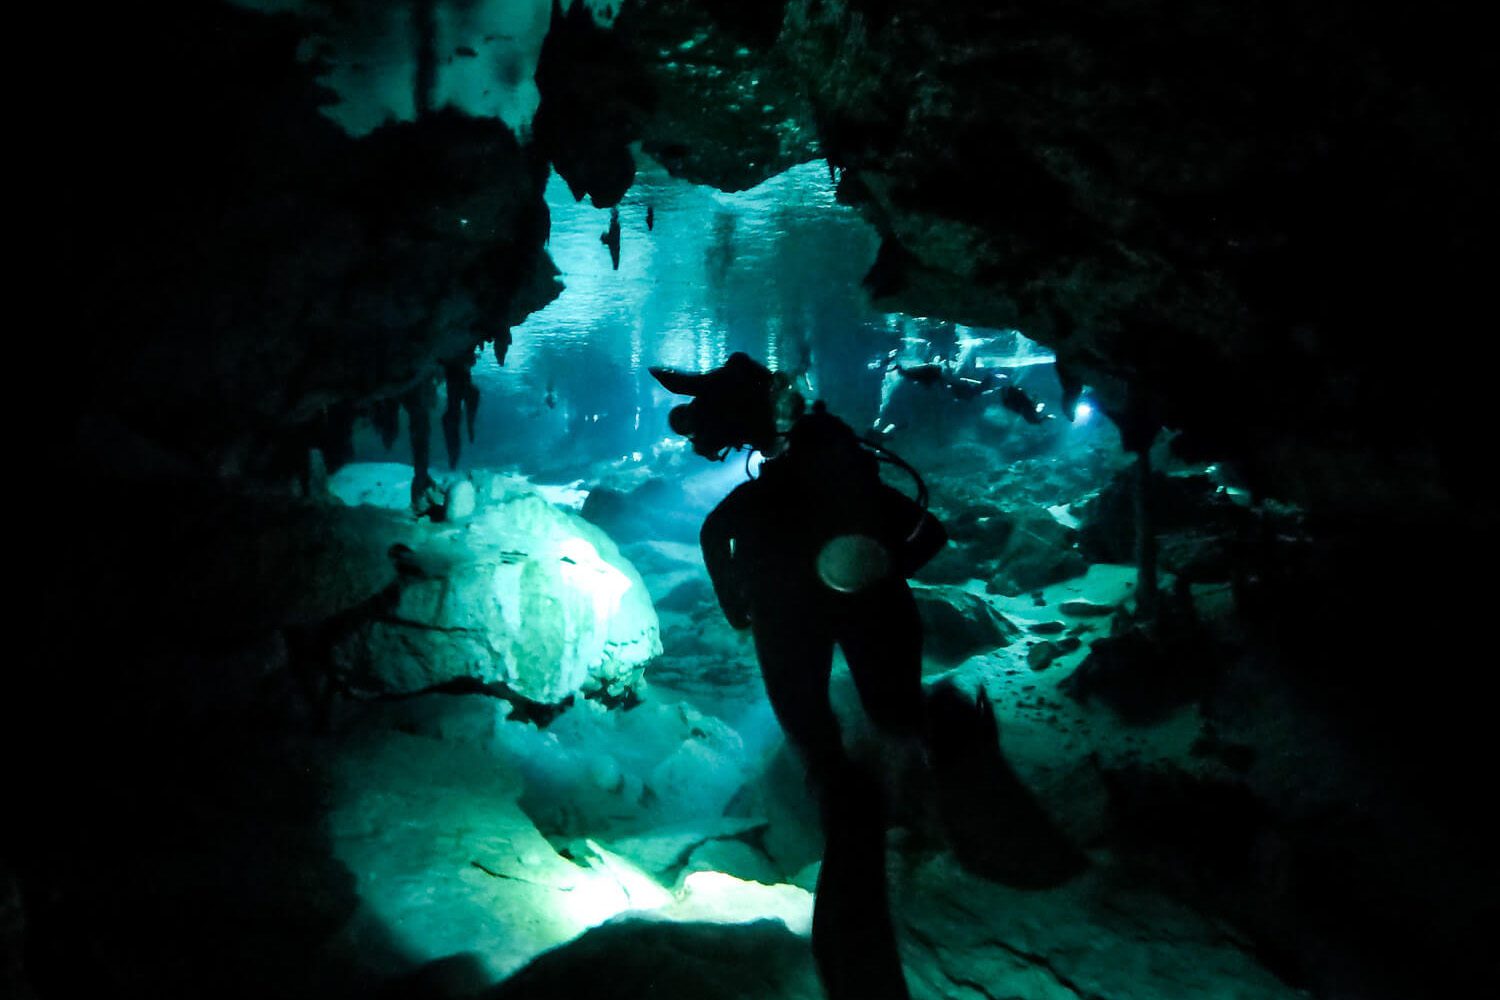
[734, 406]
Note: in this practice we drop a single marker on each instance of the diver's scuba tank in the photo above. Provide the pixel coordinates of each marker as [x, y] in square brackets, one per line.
[863, 531]
[871, 532]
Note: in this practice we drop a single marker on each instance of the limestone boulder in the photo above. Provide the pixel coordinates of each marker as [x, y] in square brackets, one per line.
[1039, 550]
[523, 594]
[958, 624]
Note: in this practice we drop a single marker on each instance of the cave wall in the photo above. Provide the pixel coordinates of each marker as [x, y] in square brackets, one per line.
[249, 273]
[1262, 228]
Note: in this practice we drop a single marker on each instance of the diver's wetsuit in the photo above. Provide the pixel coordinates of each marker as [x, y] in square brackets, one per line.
[761, 547]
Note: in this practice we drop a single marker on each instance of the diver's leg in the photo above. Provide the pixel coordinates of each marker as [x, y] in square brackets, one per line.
[881, 636]
[796, 658]
[853, 938]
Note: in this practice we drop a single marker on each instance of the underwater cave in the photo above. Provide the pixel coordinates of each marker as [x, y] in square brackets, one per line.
[727, 501]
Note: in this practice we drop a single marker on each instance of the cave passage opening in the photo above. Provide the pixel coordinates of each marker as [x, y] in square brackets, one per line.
[665, 788]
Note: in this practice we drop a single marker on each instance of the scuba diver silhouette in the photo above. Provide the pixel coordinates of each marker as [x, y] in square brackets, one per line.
[814, 552]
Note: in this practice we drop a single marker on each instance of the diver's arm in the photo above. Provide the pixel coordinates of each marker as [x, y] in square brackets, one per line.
[716, 538]
[912, 532]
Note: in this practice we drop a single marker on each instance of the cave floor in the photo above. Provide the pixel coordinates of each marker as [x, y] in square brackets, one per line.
[477, 846]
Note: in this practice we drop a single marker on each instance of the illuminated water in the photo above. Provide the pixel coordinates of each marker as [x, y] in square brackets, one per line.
[774, 271]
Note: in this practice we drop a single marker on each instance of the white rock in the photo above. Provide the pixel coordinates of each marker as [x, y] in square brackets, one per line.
[733, 857]
[525, 593]
[375, 484]
[604, 772]
[462, 501]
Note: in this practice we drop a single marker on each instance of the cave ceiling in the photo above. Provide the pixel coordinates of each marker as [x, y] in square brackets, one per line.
[1260, 227]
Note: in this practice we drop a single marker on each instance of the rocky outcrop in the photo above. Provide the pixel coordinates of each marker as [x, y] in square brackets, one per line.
[1198, 524]
[957, 624]
[721, 54]
[1039, 550]
[595, 98]
[1160, 197]
[522, 594]
[1092, 938]
[254, 275]
[647, 77]
[656, 510]
[703, 960]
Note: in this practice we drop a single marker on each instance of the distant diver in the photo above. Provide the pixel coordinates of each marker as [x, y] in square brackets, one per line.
[928, 374]
[1018, 401]
[1012, 396]
[959, 386]
[611, 237]
[650, 217]
[1072, 388]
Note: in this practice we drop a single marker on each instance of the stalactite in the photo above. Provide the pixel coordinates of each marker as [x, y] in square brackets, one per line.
[1072, 388]
[453, 411]
[1147, 590]
[462, 404]
[611, 238]
[471, 407]
[418, 405]
[424, 32]
[386, 416]
[335, 435]
[1139, 425]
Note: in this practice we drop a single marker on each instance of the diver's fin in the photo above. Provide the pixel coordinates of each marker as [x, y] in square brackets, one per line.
[737, 370]
[680, 383]
[994, 825]
[853, 938]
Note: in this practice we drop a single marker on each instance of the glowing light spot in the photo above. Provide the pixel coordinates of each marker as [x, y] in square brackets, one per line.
[1082, 412]
[724, 899]
[610, 886]
[594, 900]
[640, 889]
[585, 570]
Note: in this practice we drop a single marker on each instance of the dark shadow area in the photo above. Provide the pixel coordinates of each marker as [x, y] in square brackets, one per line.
[631, 959]
[166, 810]
[994, 824]
[1142, 677]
